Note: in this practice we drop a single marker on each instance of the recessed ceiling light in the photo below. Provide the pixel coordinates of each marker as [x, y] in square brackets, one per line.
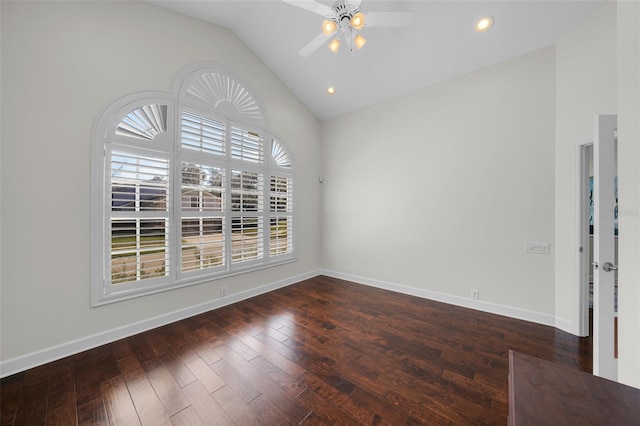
[484, 24]
[331, 90]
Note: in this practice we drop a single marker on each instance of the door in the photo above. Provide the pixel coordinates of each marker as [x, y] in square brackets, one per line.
[604, 207]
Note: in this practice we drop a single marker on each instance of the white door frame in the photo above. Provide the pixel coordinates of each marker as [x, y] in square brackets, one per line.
[582, 233]
[604, 362]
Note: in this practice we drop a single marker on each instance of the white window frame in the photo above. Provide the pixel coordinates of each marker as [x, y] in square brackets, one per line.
[164, 140]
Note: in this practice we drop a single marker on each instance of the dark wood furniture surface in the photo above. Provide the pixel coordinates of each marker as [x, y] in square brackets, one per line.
[546, 393]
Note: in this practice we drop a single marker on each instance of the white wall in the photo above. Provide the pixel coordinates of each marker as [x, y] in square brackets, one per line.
[434, 191]
[598, 72]
[585, 87]
[61, 63]
[629, 190]
[437, 190]
[1, 176]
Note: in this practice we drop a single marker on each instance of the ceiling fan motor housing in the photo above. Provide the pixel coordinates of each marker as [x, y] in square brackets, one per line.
[343, 14]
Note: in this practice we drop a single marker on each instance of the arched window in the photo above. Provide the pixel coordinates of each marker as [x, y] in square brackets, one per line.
[187, 187]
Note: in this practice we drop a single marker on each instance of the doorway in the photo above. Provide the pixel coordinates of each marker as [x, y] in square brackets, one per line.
[597, 243]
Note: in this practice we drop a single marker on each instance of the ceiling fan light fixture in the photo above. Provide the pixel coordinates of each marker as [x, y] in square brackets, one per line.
[343, 21]
[334, 45]
[484, 24]
[357, 21]
[328, 27]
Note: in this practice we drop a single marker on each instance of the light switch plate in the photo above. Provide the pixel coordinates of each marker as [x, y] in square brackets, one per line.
[537, 247]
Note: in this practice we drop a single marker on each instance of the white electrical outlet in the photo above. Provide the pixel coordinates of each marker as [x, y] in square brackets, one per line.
[536, 247]
[475, 294]
[223, 292]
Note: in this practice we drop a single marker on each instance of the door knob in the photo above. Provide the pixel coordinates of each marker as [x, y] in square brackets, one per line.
[608, 267]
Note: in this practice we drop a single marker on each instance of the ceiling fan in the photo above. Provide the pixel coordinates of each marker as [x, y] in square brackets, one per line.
[345, 16]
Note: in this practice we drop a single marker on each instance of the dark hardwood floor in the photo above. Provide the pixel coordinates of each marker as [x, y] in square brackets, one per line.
[323, 351]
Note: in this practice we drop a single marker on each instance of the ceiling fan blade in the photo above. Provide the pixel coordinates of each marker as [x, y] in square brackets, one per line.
[311, 6]
[314, 44]
[388, 19]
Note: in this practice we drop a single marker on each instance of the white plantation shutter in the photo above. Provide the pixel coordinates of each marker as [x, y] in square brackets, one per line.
[247, 224]
[217, 90]
[202, 134]
[246, 191]
[139, 249]
[147, 173]
[202, 188]
[203, 244]
[144, 122]
[202, 217]
[281, 235]
[139, 186]
[280, 195]
[280, 213]
[247, 145]
[246, 239]
[280, 155]
[187, 188]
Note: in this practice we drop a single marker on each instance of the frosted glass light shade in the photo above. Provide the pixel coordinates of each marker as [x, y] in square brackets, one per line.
[359, 41]
[328, 27]
[357, 21]
[334, 45]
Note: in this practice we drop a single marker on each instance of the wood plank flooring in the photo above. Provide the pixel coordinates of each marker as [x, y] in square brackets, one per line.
[320, 352]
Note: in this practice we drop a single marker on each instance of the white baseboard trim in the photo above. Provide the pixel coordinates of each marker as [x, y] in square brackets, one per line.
[34, 359]
[493, 308]
[565, 325]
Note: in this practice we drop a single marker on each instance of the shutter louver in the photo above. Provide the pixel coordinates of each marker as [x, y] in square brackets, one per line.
[139, 217]
[281, 223]
[247, 231]
[246, 239]
[144, 122]
[202, 188]
[246, 191]
[218, 90]
[138, 183]
[202, 243]
[280, 195]
[203, 134]
[247, 145]
[139, 249]
[280, 155]
[281, 235]
[202, 207]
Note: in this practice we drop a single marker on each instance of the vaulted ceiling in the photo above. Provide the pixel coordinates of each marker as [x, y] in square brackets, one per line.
[440, 43]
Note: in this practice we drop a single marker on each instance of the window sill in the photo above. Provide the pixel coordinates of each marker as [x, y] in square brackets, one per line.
[105, 299]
